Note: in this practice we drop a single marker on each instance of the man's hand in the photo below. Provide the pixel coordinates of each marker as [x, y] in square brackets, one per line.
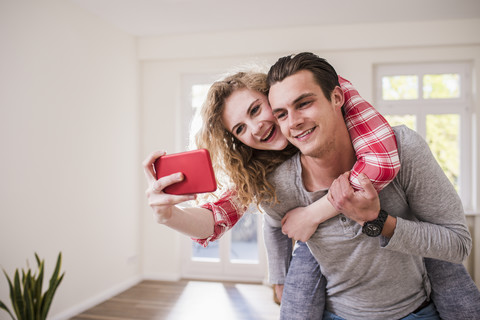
[299, 224]
[360, 206]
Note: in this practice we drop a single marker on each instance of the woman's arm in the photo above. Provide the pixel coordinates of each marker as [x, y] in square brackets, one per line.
[206, 223]
[373, 140]
[196, 222]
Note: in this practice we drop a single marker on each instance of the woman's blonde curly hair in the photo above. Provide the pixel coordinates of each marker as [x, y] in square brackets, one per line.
[247, 168]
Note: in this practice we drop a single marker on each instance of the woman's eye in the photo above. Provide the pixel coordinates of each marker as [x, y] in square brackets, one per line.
[239, 130]
[254, 110]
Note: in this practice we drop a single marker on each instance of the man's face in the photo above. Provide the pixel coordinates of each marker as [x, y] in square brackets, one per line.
[306, 118]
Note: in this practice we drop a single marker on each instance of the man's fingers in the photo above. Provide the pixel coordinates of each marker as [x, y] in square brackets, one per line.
[368, 187]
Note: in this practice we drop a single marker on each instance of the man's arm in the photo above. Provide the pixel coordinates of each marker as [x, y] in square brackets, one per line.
[436, 226]
[279, 249]
[441, 231]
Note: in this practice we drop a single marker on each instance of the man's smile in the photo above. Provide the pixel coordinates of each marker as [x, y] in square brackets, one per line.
[304, 134]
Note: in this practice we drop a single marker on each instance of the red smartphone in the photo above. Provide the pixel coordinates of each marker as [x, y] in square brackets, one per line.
[196, 167]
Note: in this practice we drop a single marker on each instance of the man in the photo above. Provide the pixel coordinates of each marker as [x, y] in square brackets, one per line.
[371, 255]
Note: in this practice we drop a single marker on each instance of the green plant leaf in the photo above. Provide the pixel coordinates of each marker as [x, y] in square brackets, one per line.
[12, 293]
[38, 259]
[27, 297]
[53, 285]
[17, 301]
[38, 290]
[4, 307]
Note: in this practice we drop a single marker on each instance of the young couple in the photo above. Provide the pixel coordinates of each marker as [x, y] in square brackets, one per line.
[368, 259]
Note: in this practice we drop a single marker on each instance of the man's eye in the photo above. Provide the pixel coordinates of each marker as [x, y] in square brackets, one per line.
[303, 104]
[280, 115]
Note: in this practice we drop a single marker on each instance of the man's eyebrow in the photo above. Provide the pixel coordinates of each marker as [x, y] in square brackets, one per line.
[303, 96]
[248, 112]
[299, 98]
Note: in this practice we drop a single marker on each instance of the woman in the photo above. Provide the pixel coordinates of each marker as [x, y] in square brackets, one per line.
[241, 134]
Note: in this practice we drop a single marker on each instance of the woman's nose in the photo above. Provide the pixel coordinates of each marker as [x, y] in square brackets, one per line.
[258, 127]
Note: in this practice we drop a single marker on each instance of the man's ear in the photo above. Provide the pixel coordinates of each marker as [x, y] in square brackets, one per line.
[338, 99]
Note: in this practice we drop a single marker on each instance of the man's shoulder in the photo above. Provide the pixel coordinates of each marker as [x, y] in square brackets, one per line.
[407, 139]
[402, 132]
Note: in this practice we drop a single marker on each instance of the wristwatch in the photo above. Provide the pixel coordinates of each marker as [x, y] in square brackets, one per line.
[374, 228]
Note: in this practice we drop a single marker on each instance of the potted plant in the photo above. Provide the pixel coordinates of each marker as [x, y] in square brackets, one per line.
[28, 301]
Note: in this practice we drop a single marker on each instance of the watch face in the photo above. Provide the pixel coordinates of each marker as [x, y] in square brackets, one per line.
[372, 230]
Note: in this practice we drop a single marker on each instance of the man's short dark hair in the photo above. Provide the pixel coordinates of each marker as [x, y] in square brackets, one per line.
[323, 72]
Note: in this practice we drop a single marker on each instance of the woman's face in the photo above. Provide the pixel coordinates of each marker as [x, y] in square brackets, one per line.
[248, 116]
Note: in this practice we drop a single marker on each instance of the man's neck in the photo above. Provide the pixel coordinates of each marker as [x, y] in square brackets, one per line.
[318, 173]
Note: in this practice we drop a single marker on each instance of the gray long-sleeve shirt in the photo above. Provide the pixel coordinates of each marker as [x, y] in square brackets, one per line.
[377, 278]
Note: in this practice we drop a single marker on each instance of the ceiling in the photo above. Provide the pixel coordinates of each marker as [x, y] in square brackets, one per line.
[169, 17]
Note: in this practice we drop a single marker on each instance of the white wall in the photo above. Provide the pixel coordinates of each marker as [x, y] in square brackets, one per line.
[353, 49]
[69, 145]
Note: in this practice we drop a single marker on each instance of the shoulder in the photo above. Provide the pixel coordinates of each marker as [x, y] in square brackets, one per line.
[284, 172]
[409, 142]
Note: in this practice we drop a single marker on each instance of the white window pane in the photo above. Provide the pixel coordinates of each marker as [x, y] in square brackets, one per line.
[441, 86]
[199, 94]
[409, 120]
[244, 246]
[443, 136]
[403, 87]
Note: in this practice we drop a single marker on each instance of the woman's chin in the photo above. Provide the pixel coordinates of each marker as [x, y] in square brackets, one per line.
[277, 145]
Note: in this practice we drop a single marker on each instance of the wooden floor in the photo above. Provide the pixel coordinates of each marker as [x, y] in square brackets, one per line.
[188, 299]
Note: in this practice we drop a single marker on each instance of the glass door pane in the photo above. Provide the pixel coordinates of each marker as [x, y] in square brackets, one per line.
[209, 254]
[244, 244]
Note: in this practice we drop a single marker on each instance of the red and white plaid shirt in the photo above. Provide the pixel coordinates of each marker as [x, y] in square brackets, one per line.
[375, 147]
[226, 214]
[373, 140]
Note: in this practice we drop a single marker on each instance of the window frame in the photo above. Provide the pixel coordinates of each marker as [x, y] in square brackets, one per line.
[463, 105]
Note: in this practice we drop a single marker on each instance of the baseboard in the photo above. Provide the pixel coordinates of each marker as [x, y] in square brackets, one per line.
[161, 277]
[87, 304]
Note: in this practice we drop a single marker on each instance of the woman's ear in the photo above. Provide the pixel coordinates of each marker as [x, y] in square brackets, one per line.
[338, 99]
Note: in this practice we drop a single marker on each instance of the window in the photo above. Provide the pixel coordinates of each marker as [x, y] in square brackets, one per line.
[239, 254]
[435, 100]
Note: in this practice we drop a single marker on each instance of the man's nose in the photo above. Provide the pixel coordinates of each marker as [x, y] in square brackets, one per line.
[294, 120]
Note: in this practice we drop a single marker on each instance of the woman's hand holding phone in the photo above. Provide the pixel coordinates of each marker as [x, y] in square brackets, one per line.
[162, 203]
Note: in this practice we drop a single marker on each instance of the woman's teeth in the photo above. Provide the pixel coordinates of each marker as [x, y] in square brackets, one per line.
[269, 134]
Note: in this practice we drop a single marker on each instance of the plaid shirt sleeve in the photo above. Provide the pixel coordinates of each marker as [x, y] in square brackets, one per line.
[226, 214]
[373, 140]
